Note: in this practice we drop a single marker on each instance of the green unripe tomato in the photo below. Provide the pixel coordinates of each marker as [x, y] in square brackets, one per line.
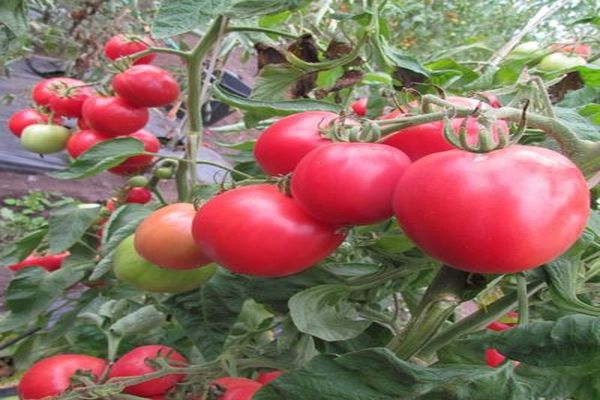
[45, 139]
[138, 181]
[163, 173]
[558, 61]
[526, 49]
[131, 268]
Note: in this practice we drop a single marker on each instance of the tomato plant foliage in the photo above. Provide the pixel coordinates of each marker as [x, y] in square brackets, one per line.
[317, 280]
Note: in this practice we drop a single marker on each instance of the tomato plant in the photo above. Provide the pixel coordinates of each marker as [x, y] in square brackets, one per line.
[137, 164]
[558, 61]
[125, 45]
[67, 97]
[44, 90]
[83, 140]
[28, 116]
[138, 195]
[359, 106]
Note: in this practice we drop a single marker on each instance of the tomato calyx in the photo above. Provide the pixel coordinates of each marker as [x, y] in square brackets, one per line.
[350, 128]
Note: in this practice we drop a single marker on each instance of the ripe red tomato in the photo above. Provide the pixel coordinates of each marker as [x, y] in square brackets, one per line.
[256, 230]
[349, 183]
[164, 238]
[234, 388]
[360, 106]
[51, 376]
[266, 377]
[420, 140]
[67, 101]
[44, 138]
[493, 358]
[138, 195]
[282, 145]
[28, 116]
[498, 326]
[146, 86]
[82, 141]
[114, 116]
[500, 212]
[50, 262]
[43, 91]
[81, 124]
[134, 364]
[125, 45]
[137, 164]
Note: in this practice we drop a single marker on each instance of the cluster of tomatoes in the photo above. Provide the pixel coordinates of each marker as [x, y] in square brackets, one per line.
[99, 117]
[558, 55]
[55, 375]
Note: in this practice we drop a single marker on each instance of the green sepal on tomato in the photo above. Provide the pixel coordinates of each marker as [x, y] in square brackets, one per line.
[131, 268]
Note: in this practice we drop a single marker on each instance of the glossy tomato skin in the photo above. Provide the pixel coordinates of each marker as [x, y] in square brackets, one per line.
[114, 116]
[349, 183]
[256, 230]
[134, 364]
[82, 141]
[28, 116]
[81, 124]
[146, 86]
[50, 262]
[138, 195]
[282, 145]
[164, 238]
[360, 106]
[121, 45]
[137, 164]
[501, 212]
[45, 139]
[69, 104]
[44, 90]
[130, 267]
[51, 376]
[266, 377]
[421, 140]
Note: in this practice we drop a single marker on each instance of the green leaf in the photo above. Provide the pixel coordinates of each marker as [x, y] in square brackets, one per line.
[13, 16]
[274, 81]
[67, 225]
[33, 291]
[273, 20]
[325, 312]
[577, 123]
[175, 17]
[121, 224]
[592, 112]
[208, 314]
[378, 374]
[101, 157]
[139, 321]
[590, 74]
[391, 56]
[326, 79]
[377, 78]
[447, 72]
[254, 8]
[564, 284]
[266, 109]
[23, 247]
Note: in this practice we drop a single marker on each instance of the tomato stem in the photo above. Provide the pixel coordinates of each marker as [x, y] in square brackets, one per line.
[443, 295]
[262, 30]
[523, 298]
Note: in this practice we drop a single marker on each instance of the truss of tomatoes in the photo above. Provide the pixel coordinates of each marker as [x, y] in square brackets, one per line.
[99, 117]
[55, 375]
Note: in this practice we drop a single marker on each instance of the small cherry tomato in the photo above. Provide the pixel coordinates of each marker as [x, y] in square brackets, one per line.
[135, 363]
[493, 358]
[360, 106]
[50, 262]
[137, 164]
[139, 195]
[282, 145]
[45, 139]
[50, 377]
[114, 116]
[82, 141]
[28, 116]
[164, 238]
[125, 45]
[146, 86]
